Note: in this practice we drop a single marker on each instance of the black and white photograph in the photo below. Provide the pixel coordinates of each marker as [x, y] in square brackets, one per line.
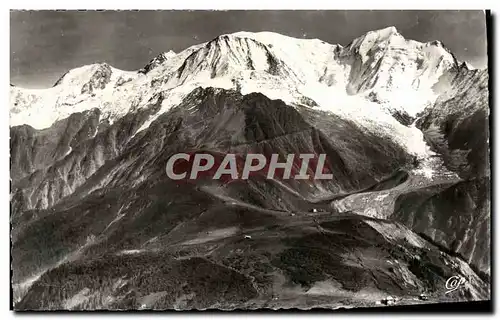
[249, 160]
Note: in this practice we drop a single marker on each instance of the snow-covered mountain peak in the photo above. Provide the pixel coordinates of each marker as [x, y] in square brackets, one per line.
[81, 75]
[91, 86]
[158, 60]
[393, 69]
[380, 35]
[381, 64]
[388, 31]
[389, 40]
[296, 61]
[376, 39]
[226, 56]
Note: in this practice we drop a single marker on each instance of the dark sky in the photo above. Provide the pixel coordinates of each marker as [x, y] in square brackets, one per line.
[45, 44]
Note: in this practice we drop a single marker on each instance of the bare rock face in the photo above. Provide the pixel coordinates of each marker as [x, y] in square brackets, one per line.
[33, 149]
[42, 177]
[457, 126]
[455, 216]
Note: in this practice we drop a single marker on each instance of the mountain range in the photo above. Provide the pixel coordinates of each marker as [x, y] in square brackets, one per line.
[97, 224]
